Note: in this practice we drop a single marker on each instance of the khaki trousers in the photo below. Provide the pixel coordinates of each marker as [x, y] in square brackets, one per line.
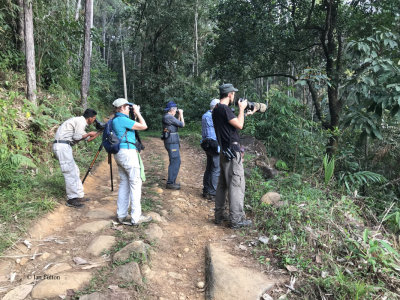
[231, 181]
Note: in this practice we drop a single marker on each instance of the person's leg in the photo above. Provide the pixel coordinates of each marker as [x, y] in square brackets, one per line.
[73, 183]
[207, 176]
[174, 162]
[236, 190]
[214, 174]
[221, 192]
[124, 188]
[135, 187]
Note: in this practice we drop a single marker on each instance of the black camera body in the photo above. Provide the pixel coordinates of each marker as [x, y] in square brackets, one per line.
[99, 125]
[261, 107]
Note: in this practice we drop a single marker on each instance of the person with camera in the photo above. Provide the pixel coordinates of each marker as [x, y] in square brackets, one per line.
[68, 134]
[171, 141]
[128, 161]
[210, 146]
[231, 179]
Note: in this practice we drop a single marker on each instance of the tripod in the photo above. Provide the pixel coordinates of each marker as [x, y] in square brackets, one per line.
[94, 160]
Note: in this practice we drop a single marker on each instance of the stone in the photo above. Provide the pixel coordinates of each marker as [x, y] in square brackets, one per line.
[19, 293]
[154, 232]
[176, 211]
[100, 244]
[58, 268]
[94, 296]
[226, 279]
[175, 193]
[59, 284]
[156, 217]
[138, 247]
[93, 227]
[200, 284]
[129, 272]
[271, 198]
[100, 214]
[164, 213]
[175, 275]
[45, 256]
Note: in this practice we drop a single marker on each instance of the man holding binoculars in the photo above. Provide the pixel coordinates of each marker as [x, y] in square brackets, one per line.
[68, 134]
[231, 179]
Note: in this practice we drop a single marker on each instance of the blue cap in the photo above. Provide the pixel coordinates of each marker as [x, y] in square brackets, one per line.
[170, 105]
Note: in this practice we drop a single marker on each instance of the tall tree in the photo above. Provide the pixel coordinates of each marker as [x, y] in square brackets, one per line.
[30, 52]
[86, 53]
[21, 26]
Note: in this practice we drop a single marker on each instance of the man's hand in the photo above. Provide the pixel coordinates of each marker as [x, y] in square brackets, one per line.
[92, 135]
[252, 111]
[242, 104]
[180, 111]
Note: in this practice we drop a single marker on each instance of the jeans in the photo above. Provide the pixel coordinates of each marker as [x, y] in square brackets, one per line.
[70, 170]
[211, 175]
[130, 186]
[174, 162]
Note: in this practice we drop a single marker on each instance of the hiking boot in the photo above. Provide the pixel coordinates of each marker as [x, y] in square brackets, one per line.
[243, 223]
[211, 198]
[173, 186]
[74, 203]
[142, 219]
[124, 221]
[84, 199]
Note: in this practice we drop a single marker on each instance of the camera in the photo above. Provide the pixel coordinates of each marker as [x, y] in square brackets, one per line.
[99, 125]
[261, 107]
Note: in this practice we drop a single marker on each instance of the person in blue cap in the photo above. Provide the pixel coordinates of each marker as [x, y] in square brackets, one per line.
[171, 141]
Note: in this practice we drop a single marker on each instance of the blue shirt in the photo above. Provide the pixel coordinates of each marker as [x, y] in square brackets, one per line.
[207, 126]
[122, 123]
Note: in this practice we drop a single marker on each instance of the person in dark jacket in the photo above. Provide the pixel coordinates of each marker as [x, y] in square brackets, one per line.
[171, 141]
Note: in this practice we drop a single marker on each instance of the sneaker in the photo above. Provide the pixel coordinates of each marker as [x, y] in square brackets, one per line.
[124, 221]
[74, 203]
[173, 186]
[142, 219]
[243, 223]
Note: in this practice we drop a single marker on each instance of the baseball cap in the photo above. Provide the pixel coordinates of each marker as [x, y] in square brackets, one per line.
[227, 88]
[214, 102]
[170, 105]
[121, 101]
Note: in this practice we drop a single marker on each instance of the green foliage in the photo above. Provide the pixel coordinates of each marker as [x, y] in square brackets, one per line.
[353, 181]
[329, 168]
[288, 132]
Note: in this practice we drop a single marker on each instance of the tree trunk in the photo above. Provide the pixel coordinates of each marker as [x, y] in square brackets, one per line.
[86, 55]
[196, 45]
[103, 24]
[21, 26]
[78, 8]
[30, 52]
[124, 74]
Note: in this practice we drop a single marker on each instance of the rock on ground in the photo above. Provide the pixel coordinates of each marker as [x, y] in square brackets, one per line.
[93, 227]
[226, 280]
[137, 247]
[101, 243]
[48, 288]
[19, 293]
[154, 232]
[129, 272]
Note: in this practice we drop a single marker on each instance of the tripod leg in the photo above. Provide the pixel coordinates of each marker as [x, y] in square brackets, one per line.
[110, 163]
[91, 165]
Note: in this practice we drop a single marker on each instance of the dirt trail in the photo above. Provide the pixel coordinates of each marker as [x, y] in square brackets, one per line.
[177, 259]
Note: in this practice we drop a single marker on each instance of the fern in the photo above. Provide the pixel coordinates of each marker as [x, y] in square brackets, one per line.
[19, 160]
[353, 181]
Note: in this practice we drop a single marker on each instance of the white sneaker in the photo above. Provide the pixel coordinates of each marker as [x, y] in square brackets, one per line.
[143, 219]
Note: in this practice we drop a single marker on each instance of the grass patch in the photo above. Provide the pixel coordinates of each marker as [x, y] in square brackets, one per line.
[324, 236]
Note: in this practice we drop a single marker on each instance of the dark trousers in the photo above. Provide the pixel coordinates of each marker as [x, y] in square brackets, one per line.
[211, 175]
[174, 162]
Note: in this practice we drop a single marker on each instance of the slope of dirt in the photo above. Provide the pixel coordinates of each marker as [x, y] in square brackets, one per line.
[176, 268]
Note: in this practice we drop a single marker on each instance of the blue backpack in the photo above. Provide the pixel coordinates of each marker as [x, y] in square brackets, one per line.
[111, 142]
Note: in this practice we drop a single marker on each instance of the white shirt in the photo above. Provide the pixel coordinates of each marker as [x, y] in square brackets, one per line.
[72, 130]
